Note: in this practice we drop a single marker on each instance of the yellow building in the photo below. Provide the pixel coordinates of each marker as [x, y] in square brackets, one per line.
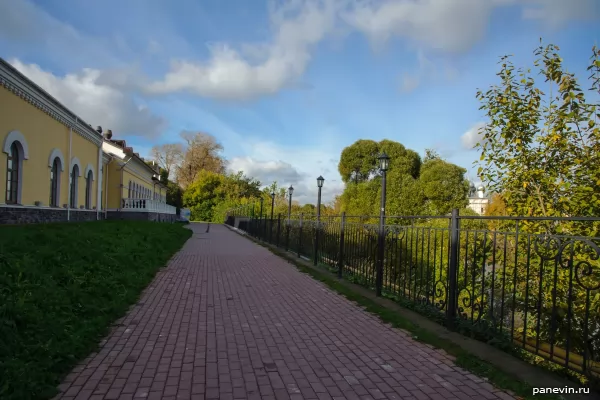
[50, 158]
[52, 163]
[132, 187]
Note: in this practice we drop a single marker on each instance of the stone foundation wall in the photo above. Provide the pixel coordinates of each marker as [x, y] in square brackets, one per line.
[41, 215]
[141, 216]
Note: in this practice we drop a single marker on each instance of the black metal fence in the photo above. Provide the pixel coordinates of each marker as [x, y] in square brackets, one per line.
[534, 282]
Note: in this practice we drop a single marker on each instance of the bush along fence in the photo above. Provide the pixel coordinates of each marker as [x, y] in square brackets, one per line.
[525, 284]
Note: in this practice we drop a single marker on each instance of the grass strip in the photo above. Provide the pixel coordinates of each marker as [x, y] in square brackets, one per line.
[61, 288]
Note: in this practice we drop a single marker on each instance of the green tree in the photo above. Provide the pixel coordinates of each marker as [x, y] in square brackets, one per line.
[431, 154]
[358, 161]
[204, 194]
[444, 186]
[541, 149]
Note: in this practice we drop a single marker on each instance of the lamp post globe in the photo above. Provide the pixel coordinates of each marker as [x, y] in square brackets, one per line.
[384, 162]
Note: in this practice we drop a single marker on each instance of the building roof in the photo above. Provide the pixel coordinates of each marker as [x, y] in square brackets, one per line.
[20, 85]
[128, 150]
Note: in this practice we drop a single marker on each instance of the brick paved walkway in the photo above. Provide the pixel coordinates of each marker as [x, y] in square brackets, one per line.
[229, 320]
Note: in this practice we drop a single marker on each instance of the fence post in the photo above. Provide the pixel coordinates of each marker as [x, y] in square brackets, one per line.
[341, 258]
[453, 268]
[316, 247]
[278, 229]
[287, 234]
[300, 236]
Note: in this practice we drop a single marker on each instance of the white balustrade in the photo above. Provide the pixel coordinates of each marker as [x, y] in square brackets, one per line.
[148, 205]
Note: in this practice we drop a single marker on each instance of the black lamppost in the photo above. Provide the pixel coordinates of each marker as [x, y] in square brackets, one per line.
[271, 221]
[272, 205]
[384, 162]
[320, 181]
[260, 223]
[290, 192]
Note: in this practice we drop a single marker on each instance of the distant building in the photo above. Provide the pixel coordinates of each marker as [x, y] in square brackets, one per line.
[478, 199]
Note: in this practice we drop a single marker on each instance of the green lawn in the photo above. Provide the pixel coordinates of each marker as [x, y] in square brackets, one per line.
[62, 286]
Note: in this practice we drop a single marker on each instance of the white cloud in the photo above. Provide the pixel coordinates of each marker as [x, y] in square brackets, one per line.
[24, 23]
[230, 75]
[452, 26]
[300, 168]
[260, 69]
[557, 12]
[471, 137]
[95, 103]
[265, 171]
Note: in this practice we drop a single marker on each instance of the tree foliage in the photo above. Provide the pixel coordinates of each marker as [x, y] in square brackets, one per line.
[202, 153]
[541, 145]
[444, 186]
[413, 187]
[359, 163]
[540, 149]
[168, 156]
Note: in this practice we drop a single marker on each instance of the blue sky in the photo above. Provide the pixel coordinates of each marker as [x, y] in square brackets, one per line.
[286, 85]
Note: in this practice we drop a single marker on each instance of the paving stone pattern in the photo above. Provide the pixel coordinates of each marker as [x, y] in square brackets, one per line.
[229, 320]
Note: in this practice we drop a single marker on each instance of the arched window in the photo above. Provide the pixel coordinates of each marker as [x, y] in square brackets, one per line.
[56, 163]
[74, 185]
[88, 189]
[129, 190]
[55, 182]
[16, 150]
[13, 174]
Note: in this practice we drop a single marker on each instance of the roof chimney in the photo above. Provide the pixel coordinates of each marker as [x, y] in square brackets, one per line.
[99, 129]
[108, 134]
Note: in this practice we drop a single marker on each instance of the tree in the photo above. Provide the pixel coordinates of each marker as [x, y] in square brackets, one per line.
[541, 150]
[359, 163]
[202, 153]
[168, 156]
[444, 186]
[212, 194]
[204, 194]
[430, 155]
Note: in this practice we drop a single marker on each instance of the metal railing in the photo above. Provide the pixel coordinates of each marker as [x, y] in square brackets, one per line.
[533, 282]
[147, 205]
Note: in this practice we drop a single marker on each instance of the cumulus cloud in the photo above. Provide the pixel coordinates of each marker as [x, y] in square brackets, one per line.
[260, 69]
[265, 171]
[555, 13]
[230, 74]
[95, 103]
[473, 136]
[452, 26]
[301, 168]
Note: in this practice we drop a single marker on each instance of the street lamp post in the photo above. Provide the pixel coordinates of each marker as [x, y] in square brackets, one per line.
[290, 192]
[320, 181]
[260, 225]
[384, 162]
[271, 223]
[289, 223]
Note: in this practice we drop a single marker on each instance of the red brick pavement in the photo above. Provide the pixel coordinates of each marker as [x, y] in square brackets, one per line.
[229, 320]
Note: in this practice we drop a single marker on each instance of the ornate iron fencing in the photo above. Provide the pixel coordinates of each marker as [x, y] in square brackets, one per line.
[532, 281]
